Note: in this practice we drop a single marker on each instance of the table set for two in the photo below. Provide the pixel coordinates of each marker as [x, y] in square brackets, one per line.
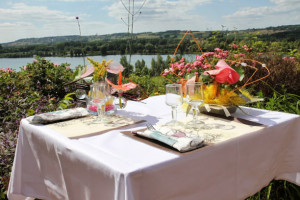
[227, 158]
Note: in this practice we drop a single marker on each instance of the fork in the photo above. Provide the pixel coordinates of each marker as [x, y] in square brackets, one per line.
[150, 127]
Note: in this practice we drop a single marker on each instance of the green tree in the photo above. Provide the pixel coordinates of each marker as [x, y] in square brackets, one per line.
[128, 68]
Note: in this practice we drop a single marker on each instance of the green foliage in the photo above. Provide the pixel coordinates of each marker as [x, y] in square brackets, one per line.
[284, 102]
[151, 85]
[128, 67]
[48, 78]
[66, 102]
[278, 190]
[38, 88]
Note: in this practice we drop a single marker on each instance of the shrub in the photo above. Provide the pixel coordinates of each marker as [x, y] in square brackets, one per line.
[40, 87]
[284, 72]
[48, 78]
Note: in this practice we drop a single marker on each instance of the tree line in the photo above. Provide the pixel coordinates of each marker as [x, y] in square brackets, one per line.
[160, 44]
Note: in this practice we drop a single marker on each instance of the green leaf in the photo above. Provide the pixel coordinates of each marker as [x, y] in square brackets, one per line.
[30, 112]
[240, 71]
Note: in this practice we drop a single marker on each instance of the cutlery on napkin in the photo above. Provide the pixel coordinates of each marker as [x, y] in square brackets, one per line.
[182, 141]
[59, 115]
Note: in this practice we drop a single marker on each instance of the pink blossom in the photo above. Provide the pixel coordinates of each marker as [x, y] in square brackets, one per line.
[182, 60]
[115, 67]
[25, 67]
[181, 66]
[285, 58]
[218, 49]
[206, 66]
[196, 73]
[9, 70]
[189, 70]
[236, 55]
[68, 67]
[224, 73]
[242, 55]
[234, 46]
[244, 46]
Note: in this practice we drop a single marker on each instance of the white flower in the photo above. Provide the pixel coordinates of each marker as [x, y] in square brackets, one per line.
[244, 64]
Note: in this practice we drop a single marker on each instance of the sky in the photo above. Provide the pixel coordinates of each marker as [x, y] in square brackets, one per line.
[42, 18]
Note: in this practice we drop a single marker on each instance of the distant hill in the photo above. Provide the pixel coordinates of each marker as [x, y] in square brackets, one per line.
[291, 32]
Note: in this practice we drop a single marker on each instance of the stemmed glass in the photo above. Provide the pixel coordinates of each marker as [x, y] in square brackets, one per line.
[99, 95]
[174, 99]
[195, 97]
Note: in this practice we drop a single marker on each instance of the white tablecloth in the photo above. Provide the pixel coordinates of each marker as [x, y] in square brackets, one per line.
[112, 165]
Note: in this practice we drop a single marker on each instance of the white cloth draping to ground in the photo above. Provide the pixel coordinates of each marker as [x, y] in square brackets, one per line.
[112, 165]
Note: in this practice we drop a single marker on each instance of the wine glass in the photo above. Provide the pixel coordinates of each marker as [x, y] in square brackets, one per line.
[174, 99]
[195, 97]
[99, 97]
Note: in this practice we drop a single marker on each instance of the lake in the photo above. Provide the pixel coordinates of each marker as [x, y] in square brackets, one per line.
[16, 63]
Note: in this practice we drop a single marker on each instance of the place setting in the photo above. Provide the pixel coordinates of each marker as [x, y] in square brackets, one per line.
[195, 128]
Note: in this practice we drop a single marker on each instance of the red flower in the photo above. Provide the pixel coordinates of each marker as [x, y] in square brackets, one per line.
[224, 73]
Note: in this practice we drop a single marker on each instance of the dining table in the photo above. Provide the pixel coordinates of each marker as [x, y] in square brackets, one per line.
[118, 164]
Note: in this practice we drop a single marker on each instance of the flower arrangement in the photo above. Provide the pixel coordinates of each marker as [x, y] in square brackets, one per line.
[105, 71]
[222, 73]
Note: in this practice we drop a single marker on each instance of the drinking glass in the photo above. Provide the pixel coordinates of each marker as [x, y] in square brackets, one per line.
[174, 99]
[195, 97]
[99, 97]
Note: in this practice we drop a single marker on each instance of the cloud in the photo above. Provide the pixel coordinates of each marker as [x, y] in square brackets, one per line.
[21, 11]
[158, 15]
[22, 20]
[282, 12]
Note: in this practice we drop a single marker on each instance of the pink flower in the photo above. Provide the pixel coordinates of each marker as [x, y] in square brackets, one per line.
[182, 60]
[285, 58]
[217, 49]
[224, 73]
[115, 67]
[236, 55]
[9, 70]
[242, 55]
[25, 67]
[68, 67]
[124, 87]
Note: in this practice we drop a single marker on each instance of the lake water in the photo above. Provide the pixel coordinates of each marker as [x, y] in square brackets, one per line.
[17, 63]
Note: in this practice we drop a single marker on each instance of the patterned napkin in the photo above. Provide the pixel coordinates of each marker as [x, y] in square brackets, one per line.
[177, 139]
[59, 115]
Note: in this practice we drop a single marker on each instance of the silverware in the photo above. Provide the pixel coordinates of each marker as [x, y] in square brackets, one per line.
[150, 127]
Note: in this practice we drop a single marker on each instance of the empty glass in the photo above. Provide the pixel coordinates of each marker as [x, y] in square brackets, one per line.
[195, 97]
[174, 99]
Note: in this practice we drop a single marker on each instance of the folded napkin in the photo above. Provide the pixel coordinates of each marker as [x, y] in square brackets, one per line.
[59, 115]
[175, 138]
